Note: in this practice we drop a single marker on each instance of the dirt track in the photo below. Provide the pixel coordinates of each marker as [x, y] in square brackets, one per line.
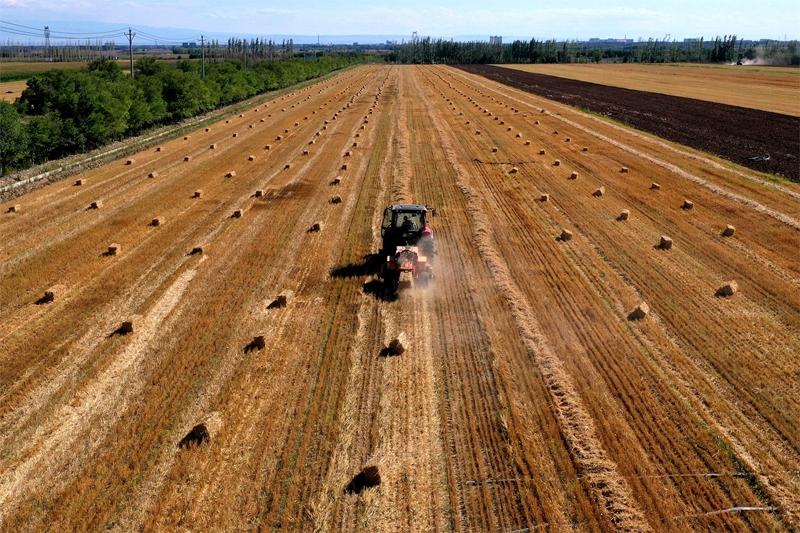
[526, 399]
[736, 133]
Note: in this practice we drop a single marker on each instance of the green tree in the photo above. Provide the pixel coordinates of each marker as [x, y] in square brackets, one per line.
[13, 140]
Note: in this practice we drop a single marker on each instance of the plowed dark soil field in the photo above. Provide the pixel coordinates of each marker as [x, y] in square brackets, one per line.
[739, 134]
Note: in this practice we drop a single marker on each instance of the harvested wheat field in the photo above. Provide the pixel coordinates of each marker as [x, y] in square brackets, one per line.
[758, 87]
[597, 382]
[11, 90]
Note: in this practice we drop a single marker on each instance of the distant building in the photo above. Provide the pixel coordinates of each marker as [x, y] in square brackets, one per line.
[496, 39]
[597, 40]
[189, 45]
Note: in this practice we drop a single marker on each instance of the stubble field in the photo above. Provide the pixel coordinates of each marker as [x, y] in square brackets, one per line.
[757, 87]
[527, 398]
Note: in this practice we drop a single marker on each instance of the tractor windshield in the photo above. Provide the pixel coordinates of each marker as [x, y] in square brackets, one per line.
[409, 221]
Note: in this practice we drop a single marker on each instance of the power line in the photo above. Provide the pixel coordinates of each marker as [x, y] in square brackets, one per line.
[66, 32]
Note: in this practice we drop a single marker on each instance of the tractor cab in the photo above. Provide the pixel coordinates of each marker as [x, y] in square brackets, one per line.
[404, 225]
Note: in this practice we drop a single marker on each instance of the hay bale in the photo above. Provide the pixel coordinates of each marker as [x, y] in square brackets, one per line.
[279, 138]
[312, 141]
[235, 135]
[157, 221]
[296, 123]
[336, 199]
[655, 186]
[153, 174]
[262, 120]
[336, 181]
[251, 126]
[544, 198]
[287, 166]
[527, 143]
[729, 231]
[536, 122]
[197, 250]
[259, 193]
[348, 153]
[573, 175]
[557, 163]
[187, 158]
[518, 136]
[344, 166]
[227, 122]
[600, 191]
[728, 289]
[158, 148]
[126, 327]
[358, 135]
[186, 138]
[50, 295]
[259, 342]
[623, 170]
[477, 132]
[513, 170]
[639, 312]
[129, 161]
[237, 213]
[665, 243]
[494, 149]
[16, 208]
[230, 174]
[584, 149]
[197, 194]
[79, 182]
[555, 132]
[202, 433]
[397, 345]
[624, 215]
[282, 300]
[566, 235]
[268, 147]
[97, 204]
[687, 204]
[355, 144]
[369, 477]
[208, 129]
[241, 115]
[306, 152]
[113, 249]
[541, 152]
[315, 227]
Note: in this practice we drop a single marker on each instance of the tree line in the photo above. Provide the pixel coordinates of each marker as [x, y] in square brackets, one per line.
[63, 112]
[727, 49]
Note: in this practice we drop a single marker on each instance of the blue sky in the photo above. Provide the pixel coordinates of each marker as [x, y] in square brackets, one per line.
[574, 19]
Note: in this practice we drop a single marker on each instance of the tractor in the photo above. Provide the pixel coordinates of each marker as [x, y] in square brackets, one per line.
[407, 246]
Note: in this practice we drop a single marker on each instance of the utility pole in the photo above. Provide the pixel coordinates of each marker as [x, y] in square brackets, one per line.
[203, 63]
[47, 41]
[130, 35]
